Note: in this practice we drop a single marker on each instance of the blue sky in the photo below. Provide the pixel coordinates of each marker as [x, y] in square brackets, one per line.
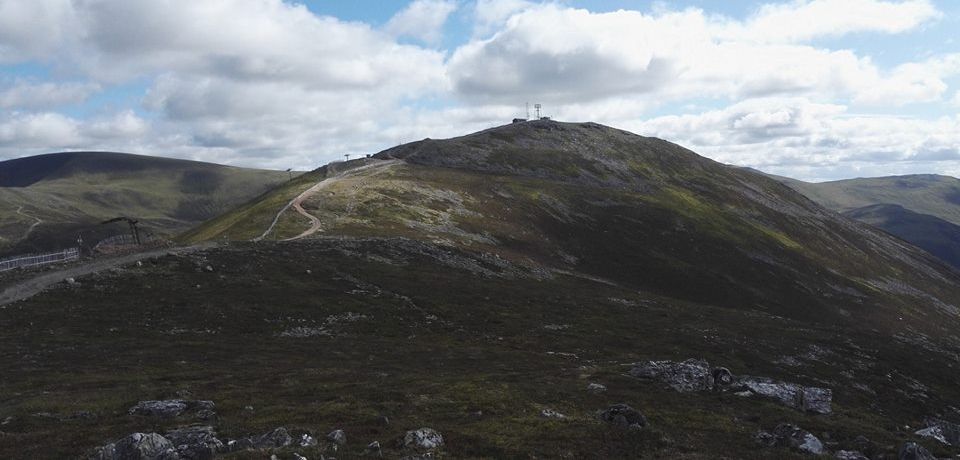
[815, 89]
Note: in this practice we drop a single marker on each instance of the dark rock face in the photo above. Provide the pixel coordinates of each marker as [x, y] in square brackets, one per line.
[139, 446]
[914, 451]
[792, 437]
[195, 443]
[173, 408]
[624, 416]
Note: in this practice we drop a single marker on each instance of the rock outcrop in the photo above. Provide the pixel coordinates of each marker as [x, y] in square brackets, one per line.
[623, 416]
[138, 446]
[173, 408]
[697, 375]
[914, 451]
[946, 432]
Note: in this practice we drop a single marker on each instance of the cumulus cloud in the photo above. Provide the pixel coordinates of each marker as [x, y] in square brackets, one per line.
[422, 20]
[563, 55]
[814, 141]
[269, 83]
[804, 20]
[20, 94]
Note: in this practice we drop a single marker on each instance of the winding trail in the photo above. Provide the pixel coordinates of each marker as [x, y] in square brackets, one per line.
[30, 287]
[29, 230]
[297, 202]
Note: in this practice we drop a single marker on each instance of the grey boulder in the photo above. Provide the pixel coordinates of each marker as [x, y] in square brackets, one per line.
[195, 443]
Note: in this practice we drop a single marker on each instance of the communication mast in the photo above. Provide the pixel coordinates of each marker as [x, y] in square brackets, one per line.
[527, 105]
[537, 107]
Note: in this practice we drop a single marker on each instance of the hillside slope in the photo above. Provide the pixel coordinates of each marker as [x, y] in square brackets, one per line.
[479, 286]
[49, 199]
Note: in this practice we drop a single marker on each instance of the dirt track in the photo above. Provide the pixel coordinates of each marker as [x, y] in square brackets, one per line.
[33, 286]
[297, 203]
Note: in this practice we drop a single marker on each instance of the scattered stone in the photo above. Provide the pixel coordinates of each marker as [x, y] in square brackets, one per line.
[383, 420]
[596, 388]
[138, 446]
[550, 413]
[297, 456]
[195, 443]
[307, 441]
[424, 438]
[70, 281]
[139, 264]
[309, 272]
[373, 450]
[208, 269]
[623, 416]
[914, 451]
[850, 455]
[792, 437]
[337, 437]
[173, 408]
[248, 408]
[7, 420]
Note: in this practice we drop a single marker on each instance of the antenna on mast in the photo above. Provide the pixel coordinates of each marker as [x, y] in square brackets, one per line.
[537, 108]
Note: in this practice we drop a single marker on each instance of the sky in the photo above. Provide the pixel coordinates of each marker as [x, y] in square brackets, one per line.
[811, 89]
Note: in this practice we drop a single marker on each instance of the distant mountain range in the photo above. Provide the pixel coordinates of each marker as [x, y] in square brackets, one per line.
[50, 200]
[921, 209]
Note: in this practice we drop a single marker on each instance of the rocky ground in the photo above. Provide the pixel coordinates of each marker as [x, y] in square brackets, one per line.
[212, 353]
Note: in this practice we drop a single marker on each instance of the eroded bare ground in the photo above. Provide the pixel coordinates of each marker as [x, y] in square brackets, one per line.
[381, 336]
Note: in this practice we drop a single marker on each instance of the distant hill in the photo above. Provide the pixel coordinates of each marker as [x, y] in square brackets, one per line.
[922, 209]
[932, 234]
[48, 200]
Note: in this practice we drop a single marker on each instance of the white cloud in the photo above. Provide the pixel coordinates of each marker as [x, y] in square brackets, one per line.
[492, 14]
[21, 94]
[34, 29]
[421, 19]
[564, 55]
[799, 138]
[803, 20]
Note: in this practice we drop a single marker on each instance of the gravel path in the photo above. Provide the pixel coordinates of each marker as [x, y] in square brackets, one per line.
[33, 286]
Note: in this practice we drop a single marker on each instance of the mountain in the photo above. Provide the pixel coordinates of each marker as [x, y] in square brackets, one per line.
[50, 199]
[484, 284]
[924, 209]
[932, 234]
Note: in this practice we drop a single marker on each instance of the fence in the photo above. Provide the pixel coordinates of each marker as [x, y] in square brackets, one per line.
[41, 259]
